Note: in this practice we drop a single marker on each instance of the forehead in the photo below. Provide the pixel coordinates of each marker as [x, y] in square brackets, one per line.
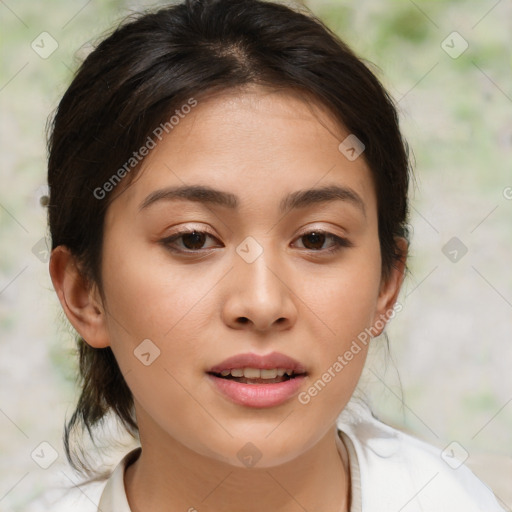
[258, 143]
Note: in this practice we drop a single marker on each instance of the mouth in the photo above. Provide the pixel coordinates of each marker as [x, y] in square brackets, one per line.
[259, 375]
[255, 380]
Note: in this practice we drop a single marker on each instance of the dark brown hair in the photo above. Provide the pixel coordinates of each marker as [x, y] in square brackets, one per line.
[149, 67]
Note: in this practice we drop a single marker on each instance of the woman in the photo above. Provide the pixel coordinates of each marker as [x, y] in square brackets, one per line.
[228, 210]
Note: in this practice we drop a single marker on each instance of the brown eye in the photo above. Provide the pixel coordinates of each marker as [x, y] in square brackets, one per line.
[191, 241]
[315, 240]
[194, 240]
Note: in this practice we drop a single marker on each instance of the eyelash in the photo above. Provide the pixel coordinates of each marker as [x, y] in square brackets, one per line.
[339, 242]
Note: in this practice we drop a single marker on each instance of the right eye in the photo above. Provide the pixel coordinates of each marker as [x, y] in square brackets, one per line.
[192, 240]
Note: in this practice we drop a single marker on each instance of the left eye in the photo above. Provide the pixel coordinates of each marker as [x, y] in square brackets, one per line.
[193, 241]
[317, 237]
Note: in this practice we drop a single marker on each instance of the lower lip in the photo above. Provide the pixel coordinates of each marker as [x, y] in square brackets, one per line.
[258, 395]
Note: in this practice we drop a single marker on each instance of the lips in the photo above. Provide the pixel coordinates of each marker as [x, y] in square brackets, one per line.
[274, 360]
[257, 395]
[254, 380]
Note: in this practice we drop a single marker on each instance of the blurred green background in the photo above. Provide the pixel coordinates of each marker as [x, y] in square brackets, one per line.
[448, 376]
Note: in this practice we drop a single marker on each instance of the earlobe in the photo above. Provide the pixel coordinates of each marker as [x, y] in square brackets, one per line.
[78, 299]
[390, 288]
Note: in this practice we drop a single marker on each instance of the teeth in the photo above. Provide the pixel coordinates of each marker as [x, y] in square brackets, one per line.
[256, 373]
[252, 373]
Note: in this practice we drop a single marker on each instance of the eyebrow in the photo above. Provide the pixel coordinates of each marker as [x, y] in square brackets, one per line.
[294, 200]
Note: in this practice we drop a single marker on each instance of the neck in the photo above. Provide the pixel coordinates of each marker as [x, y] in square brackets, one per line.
[175, 478]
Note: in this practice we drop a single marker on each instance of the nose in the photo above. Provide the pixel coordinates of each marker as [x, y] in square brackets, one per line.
[260, 295]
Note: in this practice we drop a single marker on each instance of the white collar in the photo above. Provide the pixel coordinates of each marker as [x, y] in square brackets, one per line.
[113, 497]
[395, 470]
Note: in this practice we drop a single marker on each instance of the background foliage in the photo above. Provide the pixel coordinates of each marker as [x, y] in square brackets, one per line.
[448, 377]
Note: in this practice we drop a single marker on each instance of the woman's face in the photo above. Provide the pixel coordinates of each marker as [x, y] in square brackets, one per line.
[259, 278]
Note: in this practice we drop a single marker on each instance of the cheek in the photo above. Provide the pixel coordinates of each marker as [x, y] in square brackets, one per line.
[344, 298]
[151, 298]
[148, 296]
[344, 302]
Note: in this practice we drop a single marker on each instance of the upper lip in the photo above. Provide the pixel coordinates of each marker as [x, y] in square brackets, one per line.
[263, 362]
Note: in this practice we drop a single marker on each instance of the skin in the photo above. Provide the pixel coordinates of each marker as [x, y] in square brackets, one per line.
[259, 145]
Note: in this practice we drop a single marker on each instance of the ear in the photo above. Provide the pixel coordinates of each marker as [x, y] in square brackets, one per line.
[79, 300]
[390, 288]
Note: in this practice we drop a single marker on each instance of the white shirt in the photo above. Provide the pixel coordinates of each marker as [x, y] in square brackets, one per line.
[390, 471]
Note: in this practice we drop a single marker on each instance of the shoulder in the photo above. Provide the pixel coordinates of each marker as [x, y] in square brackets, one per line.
[401, 472]
[69, 496]
[106, 493]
